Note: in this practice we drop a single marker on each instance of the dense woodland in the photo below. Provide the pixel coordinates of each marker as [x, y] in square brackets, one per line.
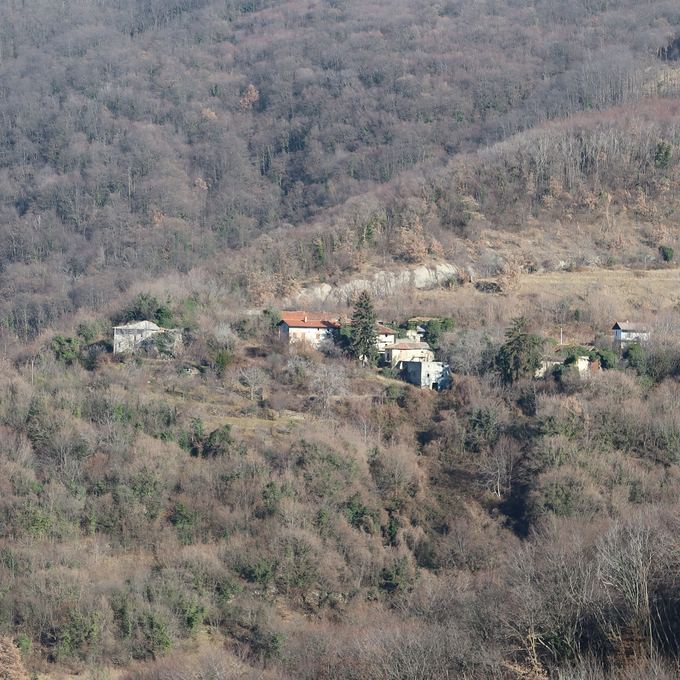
[140, 139]
[252, 510]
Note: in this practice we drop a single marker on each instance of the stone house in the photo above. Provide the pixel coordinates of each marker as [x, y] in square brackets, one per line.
[431, 375]
[143, 334]
[310, 327]
[400, 352]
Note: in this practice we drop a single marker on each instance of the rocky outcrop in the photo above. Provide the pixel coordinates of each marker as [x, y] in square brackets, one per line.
[382, 284]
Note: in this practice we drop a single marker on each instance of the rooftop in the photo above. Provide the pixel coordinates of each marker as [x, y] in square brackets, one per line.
[310, 320]
[629, 326]
[408, 345]
[139, 326]
[317, 316]
[423, 319]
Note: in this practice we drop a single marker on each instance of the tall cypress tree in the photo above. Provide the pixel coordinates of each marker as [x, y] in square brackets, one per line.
[364, 340]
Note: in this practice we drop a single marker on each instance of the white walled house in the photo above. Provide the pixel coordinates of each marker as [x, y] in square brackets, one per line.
[309, 327]
[384, 336]
[315, 327]
[626, 333]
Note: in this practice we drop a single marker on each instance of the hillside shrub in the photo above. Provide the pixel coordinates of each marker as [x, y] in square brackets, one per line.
[666, 253]
[636, 355]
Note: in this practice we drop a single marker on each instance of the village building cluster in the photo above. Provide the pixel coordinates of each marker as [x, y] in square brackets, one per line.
[415, 359]
[626, 333]
[410, 355]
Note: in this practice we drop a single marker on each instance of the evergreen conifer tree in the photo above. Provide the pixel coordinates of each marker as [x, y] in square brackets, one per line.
[363, 344]
[521, 354]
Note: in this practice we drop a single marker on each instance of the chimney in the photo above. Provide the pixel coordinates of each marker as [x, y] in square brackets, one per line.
[305, 319]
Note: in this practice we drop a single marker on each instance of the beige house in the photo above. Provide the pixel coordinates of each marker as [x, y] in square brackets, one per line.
[586, 368]
[418, 333]
[402, 351]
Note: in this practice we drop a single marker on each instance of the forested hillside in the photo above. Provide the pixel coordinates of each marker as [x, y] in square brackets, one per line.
[141, 138]
[249, 509]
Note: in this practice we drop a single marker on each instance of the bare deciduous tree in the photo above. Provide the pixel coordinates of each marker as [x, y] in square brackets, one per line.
[397, 470]
[15, 446]
[498, 467]
[468, 352]
[254, 379]
[11, 667]
[329, 380]
[627, 559]
[413, 653]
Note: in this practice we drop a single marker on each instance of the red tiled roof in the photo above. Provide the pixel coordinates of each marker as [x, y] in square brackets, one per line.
[310, 320]
[312, 323]
[323, 320]
[317, 316]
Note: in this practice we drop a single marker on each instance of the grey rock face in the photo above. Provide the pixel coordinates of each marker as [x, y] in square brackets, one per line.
[382, 284]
